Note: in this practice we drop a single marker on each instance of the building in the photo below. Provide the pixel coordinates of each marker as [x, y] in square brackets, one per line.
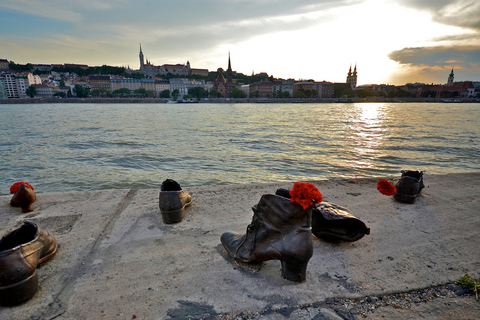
[133, 84]
[262, 89]
[182, 85]
[10, 85]
[315, 89]
[4, 64]
[283, 89]
[220, 85]
[45, 90]
[324, 89]
[3, 90]
[352, 77]
[22, 84]
[101, 83]
[150, 70]
[161, 85]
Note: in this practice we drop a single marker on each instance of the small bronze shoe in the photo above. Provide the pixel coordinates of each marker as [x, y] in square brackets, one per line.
[332, 222]
[172, 201]
[409, 186]
[21, 251]
[23, 198]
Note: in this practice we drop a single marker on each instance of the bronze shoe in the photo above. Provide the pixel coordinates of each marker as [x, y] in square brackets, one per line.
[280, 230]
[332, 222]
[21, 251]
[409, 186]
[24, 197]
[173, 201]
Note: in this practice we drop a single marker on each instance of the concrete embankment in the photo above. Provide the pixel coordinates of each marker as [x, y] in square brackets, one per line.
[118, 260]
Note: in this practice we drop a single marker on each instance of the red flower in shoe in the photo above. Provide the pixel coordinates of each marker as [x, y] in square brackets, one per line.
[16, 185]
[305, 194]
[386, 187]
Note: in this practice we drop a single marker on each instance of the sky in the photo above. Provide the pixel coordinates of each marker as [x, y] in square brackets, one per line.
[391, 42]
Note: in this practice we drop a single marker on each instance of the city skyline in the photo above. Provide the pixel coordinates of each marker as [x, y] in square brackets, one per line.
[392, 42]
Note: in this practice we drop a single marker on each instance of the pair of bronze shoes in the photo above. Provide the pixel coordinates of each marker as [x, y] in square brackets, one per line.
[282, 230]
[21, 252]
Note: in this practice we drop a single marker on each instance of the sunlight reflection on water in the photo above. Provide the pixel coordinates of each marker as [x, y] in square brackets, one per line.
[104, 146]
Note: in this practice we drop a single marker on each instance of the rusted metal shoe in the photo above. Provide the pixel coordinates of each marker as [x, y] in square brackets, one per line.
[21, 252]
[409, 186]
[280, 230]
[172, 201]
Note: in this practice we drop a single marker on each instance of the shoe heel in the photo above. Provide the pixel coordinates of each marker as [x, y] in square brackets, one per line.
[175, 216]
[404, 197]
[19, 292]
[294, 269]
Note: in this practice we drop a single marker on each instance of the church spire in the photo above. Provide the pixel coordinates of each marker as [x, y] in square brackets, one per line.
[229, 63]
[451, 77]
[140, 55]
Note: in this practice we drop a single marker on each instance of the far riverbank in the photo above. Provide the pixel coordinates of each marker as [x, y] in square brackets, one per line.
[232, 100]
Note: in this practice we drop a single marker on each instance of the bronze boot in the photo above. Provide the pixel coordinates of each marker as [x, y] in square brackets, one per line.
[280, 230]
[23, 198]
[21, 251]
[332, 222]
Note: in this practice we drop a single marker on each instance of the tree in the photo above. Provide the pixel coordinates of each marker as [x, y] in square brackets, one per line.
[141, 92]
[121, 92]
[31, 92]
[136, 75]
[198, 92]
[81, 91]
[165, 94]
[237, 93]
[60, 94]
[215, 94]
[175, 93]
[362, 93]
[255, 94]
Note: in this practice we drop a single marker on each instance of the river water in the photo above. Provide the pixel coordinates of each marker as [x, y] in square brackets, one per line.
[76, 147]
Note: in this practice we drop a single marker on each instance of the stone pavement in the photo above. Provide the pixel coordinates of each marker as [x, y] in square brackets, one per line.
[118, 260]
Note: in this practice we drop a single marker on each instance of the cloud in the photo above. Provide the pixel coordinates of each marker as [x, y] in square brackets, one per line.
[461, 13]
[440, 56]
[428, 64]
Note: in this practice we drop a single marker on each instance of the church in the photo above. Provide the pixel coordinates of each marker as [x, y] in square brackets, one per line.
[151, 71]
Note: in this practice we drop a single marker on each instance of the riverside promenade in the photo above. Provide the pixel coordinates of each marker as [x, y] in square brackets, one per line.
[118, 260]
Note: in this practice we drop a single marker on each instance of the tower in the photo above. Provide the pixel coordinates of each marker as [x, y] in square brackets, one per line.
[229, 85]
[140, 55]
[451, 81]
[352, 77]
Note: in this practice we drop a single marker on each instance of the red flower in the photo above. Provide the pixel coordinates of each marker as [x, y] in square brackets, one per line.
[16, 185]
[305, 194]
[386, 187]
